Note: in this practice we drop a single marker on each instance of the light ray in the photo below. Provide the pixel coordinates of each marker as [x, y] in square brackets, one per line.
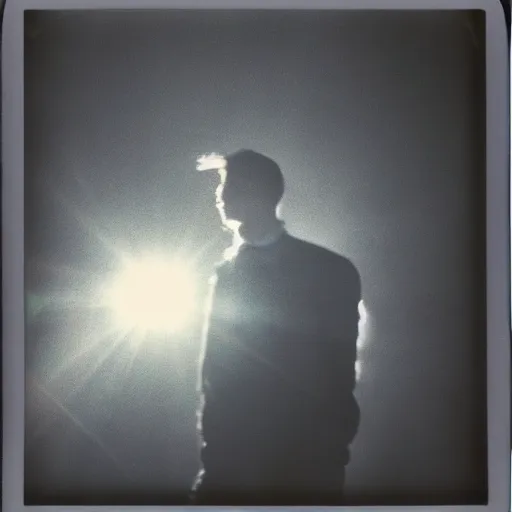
[97, 365]
[60, 269]
[86, 348]
[88, 225]
[71, 392]
[91, 435]
[134, 352]
[75, 390]
[71, 299]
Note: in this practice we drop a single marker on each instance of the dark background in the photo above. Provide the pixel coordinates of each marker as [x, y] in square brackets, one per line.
[377, 121]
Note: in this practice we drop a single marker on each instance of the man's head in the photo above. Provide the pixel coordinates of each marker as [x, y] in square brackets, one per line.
[251, 188]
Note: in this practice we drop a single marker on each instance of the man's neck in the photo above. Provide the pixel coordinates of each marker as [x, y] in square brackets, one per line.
[262, 232]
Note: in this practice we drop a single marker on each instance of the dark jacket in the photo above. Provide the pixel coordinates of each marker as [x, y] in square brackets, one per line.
[278, 368]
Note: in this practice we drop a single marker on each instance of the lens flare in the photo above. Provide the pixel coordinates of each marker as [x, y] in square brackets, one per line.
[152, 294]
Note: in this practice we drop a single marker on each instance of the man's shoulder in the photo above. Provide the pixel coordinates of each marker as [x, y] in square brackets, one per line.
[322, 257]
[221, 270]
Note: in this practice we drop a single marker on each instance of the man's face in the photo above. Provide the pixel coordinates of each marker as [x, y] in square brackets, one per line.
[229, 200]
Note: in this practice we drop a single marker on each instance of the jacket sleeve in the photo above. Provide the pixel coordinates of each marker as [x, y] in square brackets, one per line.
[343, 352]
[352, 297]
[210, 364]
[343, 326]
[209, 333]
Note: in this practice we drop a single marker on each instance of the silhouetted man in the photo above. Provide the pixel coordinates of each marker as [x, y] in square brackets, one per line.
[278, 412]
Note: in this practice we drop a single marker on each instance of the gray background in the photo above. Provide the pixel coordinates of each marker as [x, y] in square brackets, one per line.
[376, 120]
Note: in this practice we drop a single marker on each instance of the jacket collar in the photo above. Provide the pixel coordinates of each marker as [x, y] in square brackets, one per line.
[267, 240]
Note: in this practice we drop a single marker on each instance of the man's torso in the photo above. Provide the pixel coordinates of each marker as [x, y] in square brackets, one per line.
[278, 373]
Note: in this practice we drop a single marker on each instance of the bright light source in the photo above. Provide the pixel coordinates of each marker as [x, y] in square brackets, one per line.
[152, 294]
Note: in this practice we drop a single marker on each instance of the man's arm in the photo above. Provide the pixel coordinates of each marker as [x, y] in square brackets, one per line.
[351, 301]
[206, 331]
[344, 308]
[344, 327]
[215, 330]
[348, 339]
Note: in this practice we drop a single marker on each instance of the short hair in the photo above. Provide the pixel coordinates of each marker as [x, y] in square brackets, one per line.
[256, 170]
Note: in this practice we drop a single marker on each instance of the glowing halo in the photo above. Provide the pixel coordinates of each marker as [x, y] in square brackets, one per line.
[152, 294]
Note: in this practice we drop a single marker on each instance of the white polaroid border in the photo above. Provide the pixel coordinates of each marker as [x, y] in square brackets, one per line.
[498, 255]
